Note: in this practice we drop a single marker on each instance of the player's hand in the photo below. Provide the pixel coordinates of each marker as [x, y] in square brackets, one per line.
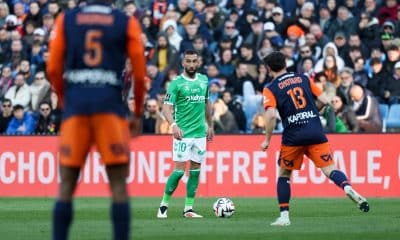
[135, 125]
[177, 132]
[265, 145]
[210, 133]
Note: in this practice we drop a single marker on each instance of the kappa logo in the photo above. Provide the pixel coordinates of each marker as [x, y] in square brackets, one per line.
[326, 157]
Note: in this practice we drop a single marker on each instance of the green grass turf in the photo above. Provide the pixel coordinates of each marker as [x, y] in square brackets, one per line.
[312, 219]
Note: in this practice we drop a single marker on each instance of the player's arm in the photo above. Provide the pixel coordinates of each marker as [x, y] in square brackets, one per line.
[55, 63]
[269, 116]
[321, 96]
[210, 128]
[136, 55]
[168, 110]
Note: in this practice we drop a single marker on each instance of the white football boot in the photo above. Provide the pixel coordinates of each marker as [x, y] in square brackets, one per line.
[283, 220]
[357, 198]
[162, 212]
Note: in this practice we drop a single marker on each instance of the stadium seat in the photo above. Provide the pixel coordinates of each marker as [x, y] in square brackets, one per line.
[384, 111]
[393, 119]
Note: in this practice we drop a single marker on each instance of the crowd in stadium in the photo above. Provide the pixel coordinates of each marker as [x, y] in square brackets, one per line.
[350, 48]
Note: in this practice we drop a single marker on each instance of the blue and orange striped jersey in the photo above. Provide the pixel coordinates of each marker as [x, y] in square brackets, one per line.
[293, 95]
[88, 50]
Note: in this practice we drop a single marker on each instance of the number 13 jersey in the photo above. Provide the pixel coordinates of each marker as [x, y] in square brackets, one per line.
[293, 95]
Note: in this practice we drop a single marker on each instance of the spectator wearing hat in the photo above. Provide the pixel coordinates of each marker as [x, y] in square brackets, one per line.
[393, 56]
[377, 82]
[329, 50]
[256, 35]
[388, 27]
[19, 93]
[387, 40]
[171, 28]
[22, 123]
[388, 11]
[366, 110]
[214, 88]
[214, 16]
[280, 21]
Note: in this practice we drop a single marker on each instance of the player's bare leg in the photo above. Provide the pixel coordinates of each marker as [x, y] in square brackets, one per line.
[172, 184]
[340, 179]
[191, 188]
[120, 209]
[63, 212]
[283, 190]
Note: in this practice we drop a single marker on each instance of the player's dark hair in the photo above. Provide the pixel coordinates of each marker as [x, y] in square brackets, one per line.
[276, 61]
[190, 52]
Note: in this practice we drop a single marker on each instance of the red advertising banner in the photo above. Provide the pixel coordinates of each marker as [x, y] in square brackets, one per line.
[235, 166]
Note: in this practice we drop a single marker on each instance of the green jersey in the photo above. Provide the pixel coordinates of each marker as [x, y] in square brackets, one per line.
[189, 99]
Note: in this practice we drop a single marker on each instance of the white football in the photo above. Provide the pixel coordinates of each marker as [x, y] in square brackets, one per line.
[224, 207]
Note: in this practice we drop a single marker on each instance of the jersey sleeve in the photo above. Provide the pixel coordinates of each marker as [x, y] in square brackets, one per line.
[55, 63]
[172, 91]
[314, 88]
[268, 99]
[136, 55]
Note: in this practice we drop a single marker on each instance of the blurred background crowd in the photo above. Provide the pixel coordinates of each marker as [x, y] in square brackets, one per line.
[350, 48]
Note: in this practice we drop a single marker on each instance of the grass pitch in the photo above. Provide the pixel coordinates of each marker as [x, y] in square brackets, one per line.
[312, 219]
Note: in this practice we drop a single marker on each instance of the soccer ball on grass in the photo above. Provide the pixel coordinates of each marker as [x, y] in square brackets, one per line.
[224, 208]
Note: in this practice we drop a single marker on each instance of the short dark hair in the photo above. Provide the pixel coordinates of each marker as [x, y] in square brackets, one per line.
[18, 107]
[7, 100]
[375, 61]
[276, 61]
[190, 52]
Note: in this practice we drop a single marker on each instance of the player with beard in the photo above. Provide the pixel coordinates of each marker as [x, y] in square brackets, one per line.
[187, 110]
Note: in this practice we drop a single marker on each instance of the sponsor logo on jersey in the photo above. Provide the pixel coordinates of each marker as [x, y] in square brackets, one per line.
[301, 116]
[195, 98]
[92, 76]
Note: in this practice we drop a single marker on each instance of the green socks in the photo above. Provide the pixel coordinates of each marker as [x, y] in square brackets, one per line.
[191, 188]
[172, 183]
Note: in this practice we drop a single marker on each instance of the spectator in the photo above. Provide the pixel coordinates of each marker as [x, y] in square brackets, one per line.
[388, 11]
[305, 52]
[19, 11]
[200, 46]
[393, 56]
[281, 22]
[171, 28]
[368, 29]
[391, 89]
[320, 39]
[131, 9]
[331, 71]
[329, 49]
[157, 80]
[34, 16]
[248, 56]
[235, 106]
[212, 71]
[48, 23]
[233, 34]
[165, 55]
[214, 17]
[370, 7]
[5, 45]
[17, 53]
[4, 12]
[366, 109]
[344, 22]
[327, 87]
[258, 124]
[6, 115]
[345, 114]
[241, 75]
[346, 82]
[22, 123]
[19, 94]
[360, 74]
[214, 88]
[355, 41]
[150, 116]
[325, 18]
[224, 121]
[379, 76]
[54, 8]
[191, 32]
[255, 37]
[5, 80]
[40, 91]
[47, 123]
[25, 69]
[225, 65]
[185, 12]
